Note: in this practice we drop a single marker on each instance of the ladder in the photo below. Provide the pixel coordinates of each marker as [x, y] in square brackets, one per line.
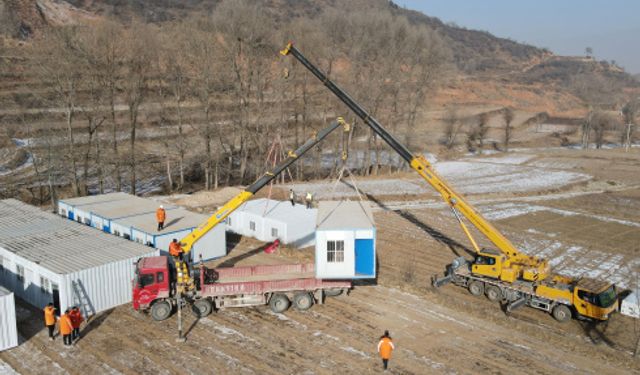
[82, 300]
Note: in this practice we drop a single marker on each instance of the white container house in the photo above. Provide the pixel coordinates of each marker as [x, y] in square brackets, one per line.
[268, 220]
[99, 211]
[630, 306]
[179, 223]
[345, 240]
[48, 259]
[8, 326]
[68, 207]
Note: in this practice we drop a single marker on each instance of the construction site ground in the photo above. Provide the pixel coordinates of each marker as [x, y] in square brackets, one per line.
[580, 209]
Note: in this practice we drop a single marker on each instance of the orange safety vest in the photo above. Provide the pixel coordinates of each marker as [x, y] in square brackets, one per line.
[161, 214]
[65, 325]
[49, 316]
[175, 249]
[385, 347]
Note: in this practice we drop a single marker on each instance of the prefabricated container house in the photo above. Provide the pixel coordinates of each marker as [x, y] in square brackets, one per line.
[99, 211]
[268, 219]
[345, 240]
[68, 207]
[179, 223]
[48, 259]
[8, 326]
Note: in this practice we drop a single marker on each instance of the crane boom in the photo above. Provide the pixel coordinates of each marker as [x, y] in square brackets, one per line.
[224, 211]
[516, 263]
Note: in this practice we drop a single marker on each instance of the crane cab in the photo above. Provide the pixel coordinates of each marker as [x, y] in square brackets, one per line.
[594, 298]
[488, 263]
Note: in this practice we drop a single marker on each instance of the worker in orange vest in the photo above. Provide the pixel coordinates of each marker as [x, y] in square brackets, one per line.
[76, 320]
[50, 319]
[66, 328]
[385, 347]
[161, 215]
[175, 249]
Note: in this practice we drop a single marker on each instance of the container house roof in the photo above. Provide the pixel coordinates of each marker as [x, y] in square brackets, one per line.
[92, 199]
[336, 215]
[121, 207]
[57, 244]
[177, 219]
[278, 210]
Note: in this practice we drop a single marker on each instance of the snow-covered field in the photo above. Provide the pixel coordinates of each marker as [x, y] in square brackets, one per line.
[469, 176]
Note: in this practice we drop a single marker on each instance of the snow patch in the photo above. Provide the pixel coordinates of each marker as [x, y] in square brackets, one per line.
[355, 351]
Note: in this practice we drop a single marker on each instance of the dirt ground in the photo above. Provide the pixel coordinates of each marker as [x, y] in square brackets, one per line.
[589, 226]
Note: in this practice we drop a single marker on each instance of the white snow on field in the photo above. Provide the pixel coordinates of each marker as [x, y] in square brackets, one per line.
[577, 261]
[510, 209]
[355, 351]
[514, 159]
[225, 331]
[468, 177]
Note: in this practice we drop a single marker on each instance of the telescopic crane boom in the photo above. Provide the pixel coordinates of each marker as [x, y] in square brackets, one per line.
[513, 263]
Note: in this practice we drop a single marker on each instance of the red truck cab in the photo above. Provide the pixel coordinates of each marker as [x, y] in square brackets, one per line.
[152, 281]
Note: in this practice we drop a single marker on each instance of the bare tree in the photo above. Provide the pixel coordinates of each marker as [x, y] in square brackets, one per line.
[140, 49]
[587, 125]
[629, 111]
[56, 62]
[452, 126]
[507, 116]
[482, 128]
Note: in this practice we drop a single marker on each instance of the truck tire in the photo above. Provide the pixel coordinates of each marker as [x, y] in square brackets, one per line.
[279, 303]
[493, 293]
[561, 313]
[476, 288]
[303, 301]
[161, 311]
[202, 308]
[332, 292]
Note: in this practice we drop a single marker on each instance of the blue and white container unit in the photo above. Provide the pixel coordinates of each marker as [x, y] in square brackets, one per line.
[74, 208]
[345, 240]
[179, 223]
[99, 211]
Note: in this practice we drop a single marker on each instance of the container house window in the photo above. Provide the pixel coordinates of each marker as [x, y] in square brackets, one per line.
[44, 284]
[274, 232]
[229, 220]
[252, 225]
[63, 212]
[335, 251]
[1, 264]
[20, 272]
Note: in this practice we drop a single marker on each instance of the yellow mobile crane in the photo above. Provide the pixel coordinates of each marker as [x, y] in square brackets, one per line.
[184, 280]
[505, 274]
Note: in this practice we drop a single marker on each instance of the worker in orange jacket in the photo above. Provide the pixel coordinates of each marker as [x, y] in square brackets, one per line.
[76, 320]
[161, 215]
[175, 249]
[385, 348]
[66, 328]
[50, 319]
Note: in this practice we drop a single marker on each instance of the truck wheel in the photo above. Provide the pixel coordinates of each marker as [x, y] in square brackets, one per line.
[161, 310]
[493, 293]
[303, 301]
[561, 313]
[476, 288]
[279, 303]
[332, 292]
[202, 308]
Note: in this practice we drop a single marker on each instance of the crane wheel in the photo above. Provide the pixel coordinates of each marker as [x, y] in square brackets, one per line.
[279, 303]
[476, 288]
[202, 308]
[493, 293]
[161, 311]
[561, 313]
[303, 301]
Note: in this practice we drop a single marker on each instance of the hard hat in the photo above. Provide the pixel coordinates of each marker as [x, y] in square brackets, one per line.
[161, 206]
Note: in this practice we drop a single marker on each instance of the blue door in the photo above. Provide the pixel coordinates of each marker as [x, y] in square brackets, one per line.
[70, 215]
[106, 227]
[365, 257]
